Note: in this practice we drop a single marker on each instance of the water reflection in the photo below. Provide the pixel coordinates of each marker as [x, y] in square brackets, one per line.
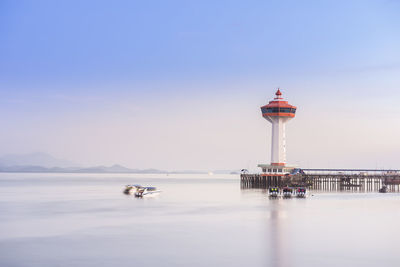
[277, 236]
[276, 226]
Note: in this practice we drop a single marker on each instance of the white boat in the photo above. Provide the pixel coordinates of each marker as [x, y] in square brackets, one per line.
[131, 189]
[147, 191]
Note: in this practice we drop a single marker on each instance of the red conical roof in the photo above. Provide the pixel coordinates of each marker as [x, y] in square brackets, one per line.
[278, 93]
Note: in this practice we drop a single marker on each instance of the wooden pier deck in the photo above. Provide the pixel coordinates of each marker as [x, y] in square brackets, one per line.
[334, 181]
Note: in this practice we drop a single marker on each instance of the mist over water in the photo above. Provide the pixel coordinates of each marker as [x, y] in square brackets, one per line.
[198, 220]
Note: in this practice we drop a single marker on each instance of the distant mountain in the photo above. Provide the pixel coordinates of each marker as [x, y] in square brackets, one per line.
[42, 162]
[116, 169]
[226, 171]
[188, 172]
[35, 159]
[31, 169]
[98, 169]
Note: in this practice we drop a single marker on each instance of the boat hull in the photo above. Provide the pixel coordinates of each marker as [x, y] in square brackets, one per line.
[148, 194]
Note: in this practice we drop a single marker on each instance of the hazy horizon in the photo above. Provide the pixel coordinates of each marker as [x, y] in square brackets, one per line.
[179, 85]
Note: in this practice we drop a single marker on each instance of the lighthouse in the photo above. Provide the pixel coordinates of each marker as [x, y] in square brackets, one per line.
[278, 112]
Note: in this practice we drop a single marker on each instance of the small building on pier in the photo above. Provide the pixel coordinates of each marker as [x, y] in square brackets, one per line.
[268, 169]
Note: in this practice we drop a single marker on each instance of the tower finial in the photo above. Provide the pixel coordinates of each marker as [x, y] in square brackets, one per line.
[278, 93]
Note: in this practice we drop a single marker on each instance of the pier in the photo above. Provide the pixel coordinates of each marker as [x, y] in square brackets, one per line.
[278, 174]
[356, 180]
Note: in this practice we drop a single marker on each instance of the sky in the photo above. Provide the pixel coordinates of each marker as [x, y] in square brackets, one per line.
[178, 85]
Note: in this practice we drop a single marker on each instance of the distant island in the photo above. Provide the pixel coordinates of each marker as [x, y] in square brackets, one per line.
[45, 163]
[96, 169]
[101, 169]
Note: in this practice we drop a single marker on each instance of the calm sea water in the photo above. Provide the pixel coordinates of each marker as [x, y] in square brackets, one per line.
[198, 220]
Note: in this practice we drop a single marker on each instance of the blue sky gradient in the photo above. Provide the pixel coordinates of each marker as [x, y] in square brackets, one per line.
[70, 69]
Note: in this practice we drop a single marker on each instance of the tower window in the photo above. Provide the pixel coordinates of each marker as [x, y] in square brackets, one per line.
[278, 110]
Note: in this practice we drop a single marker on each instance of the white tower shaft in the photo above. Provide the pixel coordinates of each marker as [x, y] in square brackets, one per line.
[278, 144]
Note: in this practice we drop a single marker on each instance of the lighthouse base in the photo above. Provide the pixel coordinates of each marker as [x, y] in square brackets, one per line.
[275, 169]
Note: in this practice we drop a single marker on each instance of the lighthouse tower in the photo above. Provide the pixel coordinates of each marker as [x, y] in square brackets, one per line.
[278, 112]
